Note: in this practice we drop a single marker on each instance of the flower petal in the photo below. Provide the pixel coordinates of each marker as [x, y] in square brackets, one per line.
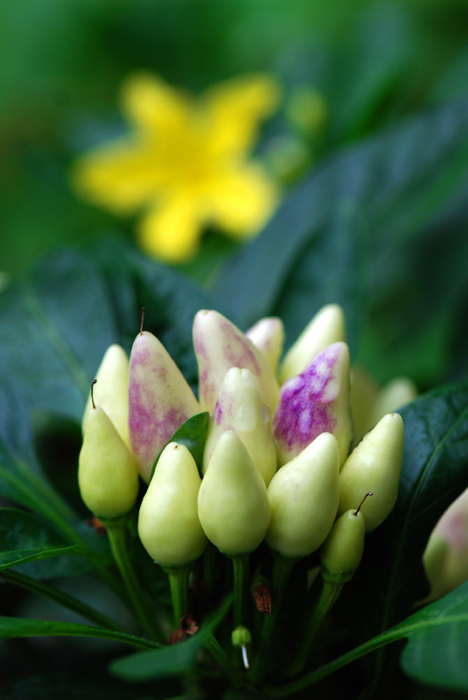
[120, 176]
[237, 107]
[172, 230]
[242, 201]
[152, 105]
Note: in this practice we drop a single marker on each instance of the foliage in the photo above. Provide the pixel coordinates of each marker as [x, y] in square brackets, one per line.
[378, 226]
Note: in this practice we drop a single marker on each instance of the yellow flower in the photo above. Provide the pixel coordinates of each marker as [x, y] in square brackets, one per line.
[185, 163]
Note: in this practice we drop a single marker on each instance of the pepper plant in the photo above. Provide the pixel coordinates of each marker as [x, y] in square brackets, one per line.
[240, 470]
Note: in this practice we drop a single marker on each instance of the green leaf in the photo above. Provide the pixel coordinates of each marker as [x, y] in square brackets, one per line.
[438, 644]
[46, 324]
[436, 652]
[21, 627]
[20, 474]
[57, 323]
[87, 682]
[390, 579]
[372, 67]
[25, 538]
[359, 206]
[192, 434]
[170, 299]
[168, 661]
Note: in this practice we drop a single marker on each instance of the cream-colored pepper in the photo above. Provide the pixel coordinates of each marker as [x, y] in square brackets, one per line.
[374, 465]
[304, 499]
[168, 523]
[233, 505]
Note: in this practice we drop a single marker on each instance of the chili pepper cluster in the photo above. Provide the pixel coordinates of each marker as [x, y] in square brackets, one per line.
[281, 461]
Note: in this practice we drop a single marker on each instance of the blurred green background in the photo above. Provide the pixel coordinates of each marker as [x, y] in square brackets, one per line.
[377, 64]
[61, 64]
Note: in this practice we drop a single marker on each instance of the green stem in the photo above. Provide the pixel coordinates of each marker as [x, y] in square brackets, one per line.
[241, 578]
[178, 581]
[282, 568]
[117, 534]
[219, 655]
[209, 568]
[63, 599]
[328, 597]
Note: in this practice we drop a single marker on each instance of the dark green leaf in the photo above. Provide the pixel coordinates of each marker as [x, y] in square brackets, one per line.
[56, 325]
[192, 434]
[21, 627]
[390, 579]
[438, 644]
[436, 652]
[54, 330]
[20, 474]
[170, 300]
[25, 538]
[376, 59]
[381, 193]
[90, 683]
[169, 661]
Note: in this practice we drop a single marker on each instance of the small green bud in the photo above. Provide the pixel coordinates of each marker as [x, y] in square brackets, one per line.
[241, 636]
[233, 505]
[342, 551]
[327, 327]
[111, 390]
[307, 110]
[240, 408]
[107, 473]
[160, 400]
[220, 345]
[168, 523]
[374, 465]
[304, 499]
[268, 336]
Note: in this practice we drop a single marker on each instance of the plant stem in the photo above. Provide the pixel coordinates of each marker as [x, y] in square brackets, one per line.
[241, 578]
[219, 655]
[328, 597]
[117, 534]
[178, 581]
[61, 598]
[209, 568]
[282, 568]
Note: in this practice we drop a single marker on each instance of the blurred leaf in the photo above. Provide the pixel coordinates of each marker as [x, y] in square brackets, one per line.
[192, 434]
[373, 66]
[86, 683]
[453, 82]
[438, 648]
[438, 641]
[57, 324]
[23, 538]
[47, 323]
[22, 627]
[358, 207]
[20, 475]
[390, 579]
[172, 660]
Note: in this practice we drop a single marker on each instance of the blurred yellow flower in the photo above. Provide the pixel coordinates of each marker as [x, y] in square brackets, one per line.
[185, 163]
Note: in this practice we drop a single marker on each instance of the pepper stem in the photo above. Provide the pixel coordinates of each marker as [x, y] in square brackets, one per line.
[178, 581]
[117, 534]
[241, 577]
[219, 655]
[282, 568]
[328, 597]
